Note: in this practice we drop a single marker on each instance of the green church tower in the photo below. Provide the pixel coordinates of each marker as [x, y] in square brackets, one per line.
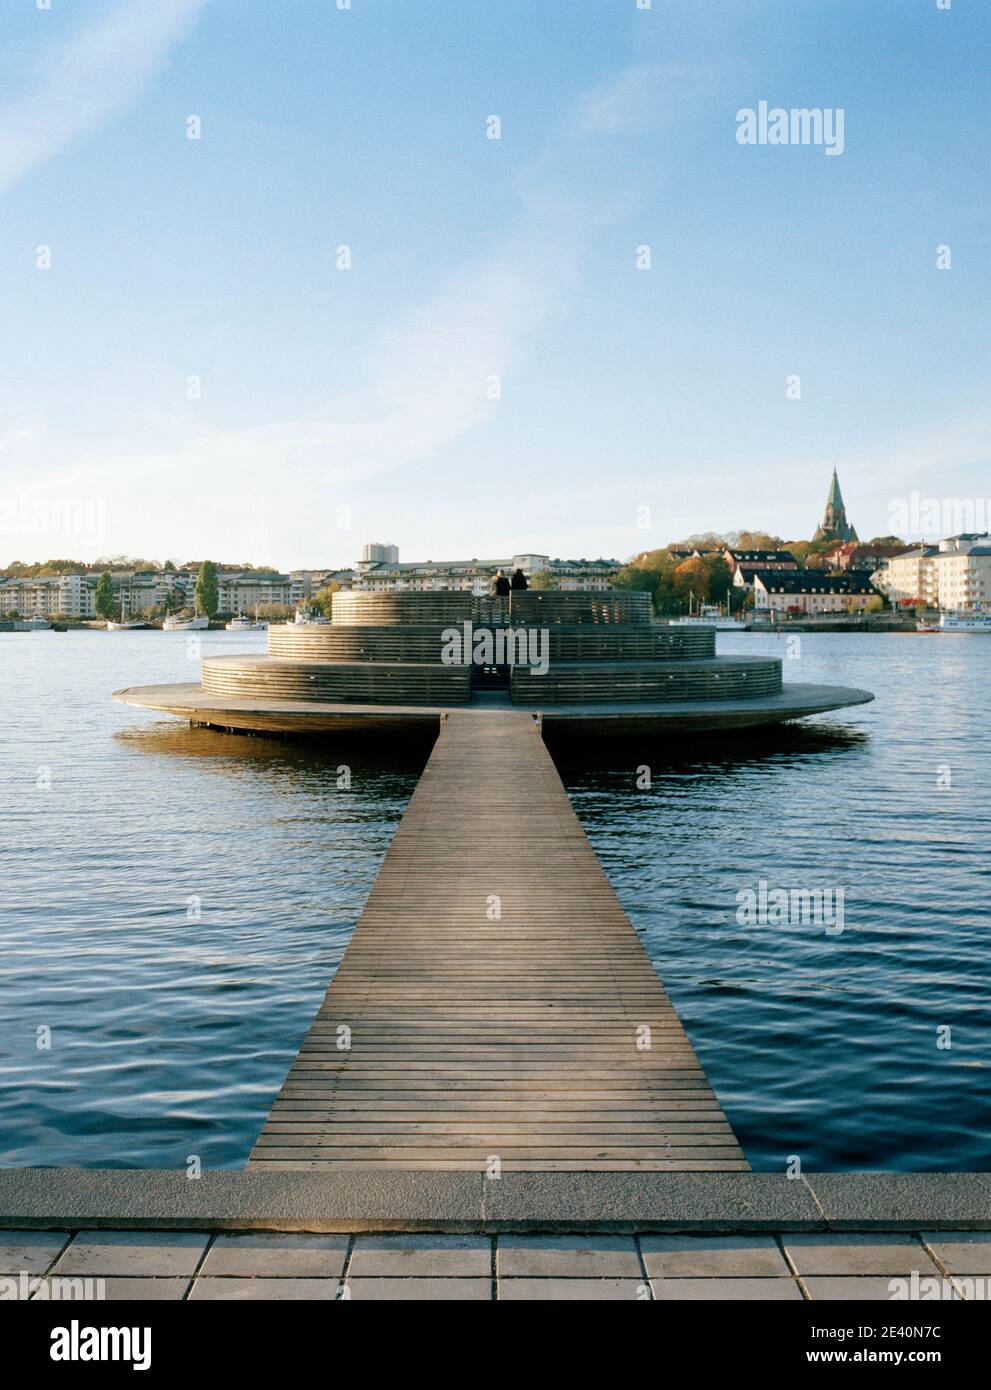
[835, 526]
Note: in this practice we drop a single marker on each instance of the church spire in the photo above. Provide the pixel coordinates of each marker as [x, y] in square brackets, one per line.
[835, 526]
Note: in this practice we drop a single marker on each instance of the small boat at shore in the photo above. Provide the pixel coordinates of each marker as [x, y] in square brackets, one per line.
[710, 615]
[175, 623]
[924, 625]
[123, 626]
[242, 623]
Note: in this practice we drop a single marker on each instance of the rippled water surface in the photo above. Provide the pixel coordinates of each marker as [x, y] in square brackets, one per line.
[175, 902]
[826, 1046]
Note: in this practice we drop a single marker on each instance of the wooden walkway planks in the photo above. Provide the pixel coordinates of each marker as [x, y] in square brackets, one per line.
[513, 1038]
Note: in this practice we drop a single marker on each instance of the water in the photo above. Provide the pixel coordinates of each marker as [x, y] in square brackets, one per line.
[169, 1036]
[824, 1045]
[171, 1030]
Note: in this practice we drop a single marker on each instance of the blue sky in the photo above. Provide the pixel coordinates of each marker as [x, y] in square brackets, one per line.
[341, 406]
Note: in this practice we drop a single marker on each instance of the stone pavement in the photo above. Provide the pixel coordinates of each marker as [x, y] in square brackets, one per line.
[259, 1265]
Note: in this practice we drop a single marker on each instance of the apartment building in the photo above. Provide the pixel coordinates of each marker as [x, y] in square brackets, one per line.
[304, 584]
[139, 591]
[953, 575]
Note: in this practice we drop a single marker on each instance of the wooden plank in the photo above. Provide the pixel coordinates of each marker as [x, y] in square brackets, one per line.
[495, 999]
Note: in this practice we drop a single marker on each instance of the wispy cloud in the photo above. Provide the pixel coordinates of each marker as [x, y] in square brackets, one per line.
[98, 71]
[430, 378]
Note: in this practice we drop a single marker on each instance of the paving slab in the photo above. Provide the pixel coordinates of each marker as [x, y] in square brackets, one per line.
[265, 1290]
[145, 1290]
[852, 1253]
[708, 1257]
[725, 1290]
[30, 1251]
[452, 1290]
[567, 1256]
[425, 1255]
[130, 1253]
[962, 1252]
[876, 1289]
[277, 1254]
[572, 1290]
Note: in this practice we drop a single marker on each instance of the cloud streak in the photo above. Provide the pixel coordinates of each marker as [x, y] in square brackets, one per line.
[429, 380]
[98, 72]
[431, 377]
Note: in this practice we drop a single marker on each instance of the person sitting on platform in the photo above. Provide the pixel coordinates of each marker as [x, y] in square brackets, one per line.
[500, 585]
[518, 580]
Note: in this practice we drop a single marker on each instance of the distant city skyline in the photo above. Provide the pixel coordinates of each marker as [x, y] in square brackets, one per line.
[272, 286]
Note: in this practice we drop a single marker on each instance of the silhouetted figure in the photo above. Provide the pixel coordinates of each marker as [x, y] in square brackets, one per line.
[500, 585]
[518, 580]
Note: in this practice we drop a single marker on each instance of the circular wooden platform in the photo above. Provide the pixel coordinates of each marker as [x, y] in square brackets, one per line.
[267, 715]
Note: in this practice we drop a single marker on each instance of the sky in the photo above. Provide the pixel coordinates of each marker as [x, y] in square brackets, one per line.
[192, 367]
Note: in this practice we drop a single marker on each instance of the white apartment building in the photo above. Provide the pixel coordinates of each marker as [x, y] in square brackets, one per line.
[963, 576]
[909, 578]
[138, 591]
[46, 596]
[954, 576]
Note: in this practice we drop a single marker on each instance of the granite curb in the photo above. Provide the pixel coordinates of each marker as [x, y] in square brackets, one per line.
[356, 1201]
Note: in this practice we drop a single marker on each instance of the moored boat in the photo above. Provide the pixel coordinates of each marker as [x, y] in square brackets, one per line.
[710, 615]
[176, 623]
[973, 621]
[242, 623]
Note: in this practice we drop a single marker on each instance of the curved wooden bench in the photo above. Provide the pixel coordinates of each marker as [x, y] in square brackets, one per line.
[386, 610]
[723, 678]
[366, 682]
[424, 642]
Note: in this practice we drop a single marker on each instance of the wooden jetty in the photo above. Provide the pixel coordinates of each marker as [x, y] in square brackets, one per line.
[495, 1009]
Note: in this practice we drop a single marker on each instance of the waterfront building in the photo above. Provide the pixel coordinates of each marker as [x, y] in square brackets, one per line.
[139, 591]
[45, 595]
[834, 525]
[963, 574]
[909, 579]
[809, 592]
[243, 591]
[475, 576]
[953, 575]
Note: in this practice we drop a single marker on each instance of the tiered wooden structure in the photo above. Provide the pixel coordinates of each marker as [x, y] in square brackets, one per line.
[390, 649]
